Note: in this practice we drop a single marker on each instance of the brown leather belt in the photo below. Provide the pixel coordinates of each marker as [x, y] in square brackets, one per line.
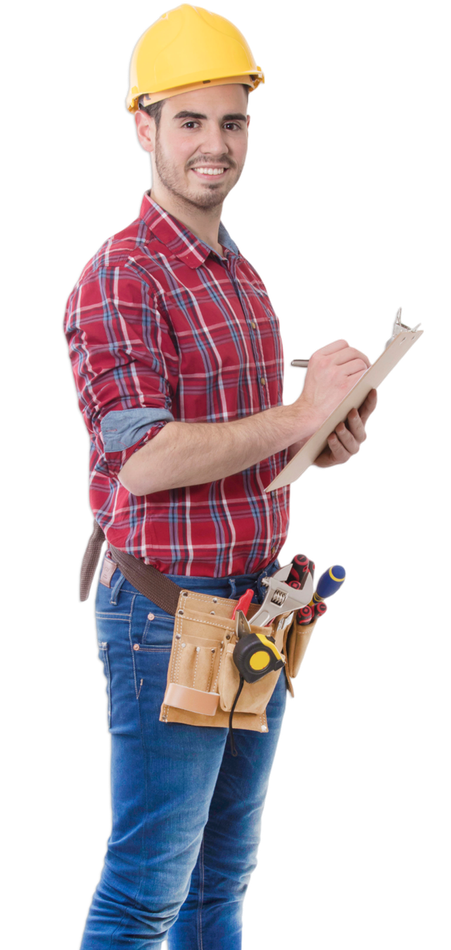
[151, 583]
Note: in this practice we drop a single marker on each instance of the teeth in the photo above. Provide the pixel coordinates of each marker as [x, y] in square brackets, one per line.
[210, 171]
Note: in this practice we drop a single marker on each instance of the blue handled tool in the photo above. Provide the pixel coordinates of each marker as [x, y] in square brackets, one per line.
[329, 583]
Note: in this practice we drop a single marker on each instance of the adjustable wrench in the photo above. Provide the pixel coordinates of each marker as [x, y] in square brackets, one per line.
[281, 597]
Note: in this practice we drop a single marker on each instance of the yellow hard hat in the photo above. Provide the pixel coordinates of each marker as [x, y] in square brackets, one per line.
[189, 48]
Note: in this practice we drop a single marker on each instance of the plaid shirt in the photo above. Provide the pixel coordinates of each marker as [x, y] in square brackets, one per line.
[160, 327]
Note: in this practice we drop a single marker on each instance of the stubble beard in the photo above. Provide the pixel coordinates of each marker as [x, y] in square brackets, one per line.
[209, 197]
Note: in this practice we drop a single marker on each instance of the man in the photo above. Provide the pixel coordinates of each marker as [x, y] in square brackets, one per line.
[178, 365]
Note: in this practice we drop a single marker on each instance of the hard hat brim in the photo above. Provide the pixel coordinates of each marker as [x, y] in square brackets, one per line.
[152, 97]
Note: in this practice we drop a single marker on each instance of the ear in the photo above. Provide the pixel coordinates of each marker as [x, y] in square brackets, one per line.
[146, 130]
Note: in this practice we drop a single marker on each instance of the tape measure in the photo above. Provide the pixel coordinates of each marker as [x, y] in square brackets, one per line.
[255, 655]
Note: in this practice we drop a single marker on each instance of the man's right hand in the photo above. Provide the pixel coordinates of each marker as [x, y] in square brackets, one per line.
[191, 453]
[332, 372]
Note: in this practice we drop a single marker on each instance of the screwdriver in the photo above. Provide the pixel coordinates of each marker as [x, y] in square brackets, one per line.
[300, 566]
[328, 584]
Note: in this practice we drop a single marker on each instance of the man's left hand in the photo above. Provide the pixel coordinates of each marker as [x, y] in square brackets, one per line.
[348, 436]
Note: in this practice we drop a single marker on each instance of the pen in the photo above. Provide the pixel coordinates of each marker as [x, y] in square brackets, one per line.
[302, 363]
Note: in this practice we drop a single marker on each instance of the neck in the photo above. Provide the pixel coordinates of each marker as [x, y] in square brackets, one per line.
[203, 222]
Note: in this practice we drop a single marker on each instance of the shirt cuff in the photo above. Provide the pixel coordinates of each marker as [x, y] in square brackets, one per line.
[124, 432]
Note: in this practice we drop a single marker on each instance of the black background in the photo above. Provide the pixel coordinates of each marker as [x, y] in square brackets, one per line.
[318, 213]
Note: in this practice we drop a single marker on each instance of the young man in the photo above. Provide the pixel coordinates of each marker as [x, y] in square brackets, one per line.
[178, 366]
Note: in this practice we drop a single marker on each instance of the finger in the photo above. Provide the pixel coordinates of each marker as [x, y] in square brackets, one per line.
[349, 355]
[332, 347]
[368, 406]
[348, 440]
[338, 451]
[355, 367]
[356, 426]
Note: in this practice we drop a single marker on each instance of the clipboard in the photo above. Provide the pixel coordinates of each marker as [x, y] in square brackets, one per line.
[401, 342]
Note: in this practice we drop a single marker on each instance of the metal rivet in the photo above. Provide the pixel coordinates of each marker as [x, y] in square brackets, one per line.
[197, 649]
[178, 636]
[215, 600]
[136, 646]
[181, 613]
[185, 593]
[264, 728]
[212, 612]
[213, 650]
[183, 644]
[151, 616]
[227, 636]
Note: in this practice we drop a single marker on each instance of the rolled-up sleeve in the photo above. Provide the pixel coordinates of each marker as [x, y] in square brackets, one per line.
[124, 360]
[127, 430]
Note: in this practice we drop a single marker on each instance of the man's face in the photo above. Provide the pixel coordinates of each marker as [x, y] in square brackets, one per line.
[201, 145]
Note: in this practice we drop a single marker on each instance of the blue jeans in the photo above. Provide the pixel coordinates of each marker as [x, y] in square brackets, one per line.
[186, 812]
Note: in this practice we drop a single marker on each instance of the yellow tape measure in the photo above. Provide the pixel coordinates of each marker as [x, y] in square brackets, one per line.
[255, 655]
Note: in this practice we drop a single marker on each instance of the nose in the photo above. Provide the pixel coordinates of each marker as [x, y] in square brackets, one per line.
[214, 141]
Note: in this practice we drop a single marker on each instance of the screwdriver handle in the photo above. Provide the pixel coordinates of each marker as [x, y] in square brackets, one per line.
[329, 583]
[300, 566]
[306, 615]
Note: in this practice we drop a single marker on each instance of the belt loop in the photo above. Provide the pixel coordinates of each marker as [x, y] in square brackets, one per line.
[266, 572]
[232, 582]
[117, 589]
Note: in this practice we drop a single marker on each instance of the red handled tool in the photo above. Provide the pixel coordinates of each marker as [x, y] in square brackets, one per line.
[244, 602]
[300, 566]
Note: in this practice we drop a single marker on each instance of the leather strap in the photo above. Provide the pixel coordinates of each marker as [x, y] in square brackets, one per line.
[151, 583]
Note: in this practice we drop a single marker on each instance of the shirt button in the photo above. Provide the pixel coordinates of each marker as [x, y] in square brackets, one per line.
[273, 549]
[263, 381]
[253, 325]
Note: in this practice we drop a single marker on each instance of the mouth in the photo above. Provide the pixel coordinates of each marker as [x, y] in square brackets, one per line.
[210, 173]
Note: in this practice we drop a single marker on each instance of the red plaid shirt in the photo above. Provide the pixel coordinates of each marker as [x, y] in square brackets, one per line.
[160, 327]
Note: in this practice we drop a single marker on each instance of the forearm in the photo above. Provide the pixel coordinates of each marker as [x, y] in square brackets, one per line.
[184, 454]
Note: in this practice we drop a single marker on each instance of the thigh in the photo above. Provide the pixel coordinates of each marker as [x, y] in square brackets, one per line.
[162, 774]
[232, 833]
[211, 915]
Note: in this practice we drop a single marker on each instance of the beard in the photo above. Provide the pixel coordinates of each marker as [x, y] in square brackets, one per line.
[208, 196]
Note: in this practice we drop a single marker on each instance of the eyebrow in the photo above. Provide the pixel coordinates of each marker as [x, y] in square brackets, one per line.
[232, 117]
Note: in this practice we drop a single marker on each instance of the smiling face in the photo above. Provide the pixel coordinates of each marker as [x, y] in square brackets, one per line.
[199, 147]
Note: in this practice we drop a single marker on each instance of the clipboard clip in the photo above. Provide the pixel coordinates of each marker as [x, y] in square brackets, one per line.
[399, 327]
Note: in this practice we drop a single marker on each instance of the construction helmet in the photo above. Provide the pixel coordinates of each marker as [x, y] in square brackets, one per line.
[189, 48]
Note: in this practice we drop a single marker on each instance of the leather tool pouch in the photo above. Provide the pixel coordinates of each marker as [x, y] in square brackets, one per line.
[295, 642]
[203, 681]
[202, 677]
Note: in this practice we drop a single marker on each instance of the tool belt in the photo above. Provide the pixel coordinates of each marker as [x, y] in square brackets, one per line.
[203, 685]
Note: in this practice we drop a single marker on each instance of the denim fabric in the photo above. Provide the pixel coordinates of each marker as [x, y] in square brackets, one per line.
[123, 428]
[186, 812]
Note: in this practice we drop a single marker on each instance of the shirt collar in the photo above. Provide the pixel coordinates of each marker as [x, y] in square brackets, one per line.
[180, 241]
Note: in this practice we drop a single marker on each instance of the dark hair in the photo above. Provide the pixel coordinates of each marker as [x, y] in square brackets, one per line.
[154, 110]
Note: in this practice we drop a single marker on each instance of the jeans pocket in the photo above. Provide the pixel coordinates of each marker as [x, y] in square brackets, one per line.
[104, 657]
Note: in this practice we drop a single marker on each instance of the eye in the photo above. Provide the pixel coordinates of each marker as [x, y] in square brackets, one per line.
[228, 126]
[190, 124]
